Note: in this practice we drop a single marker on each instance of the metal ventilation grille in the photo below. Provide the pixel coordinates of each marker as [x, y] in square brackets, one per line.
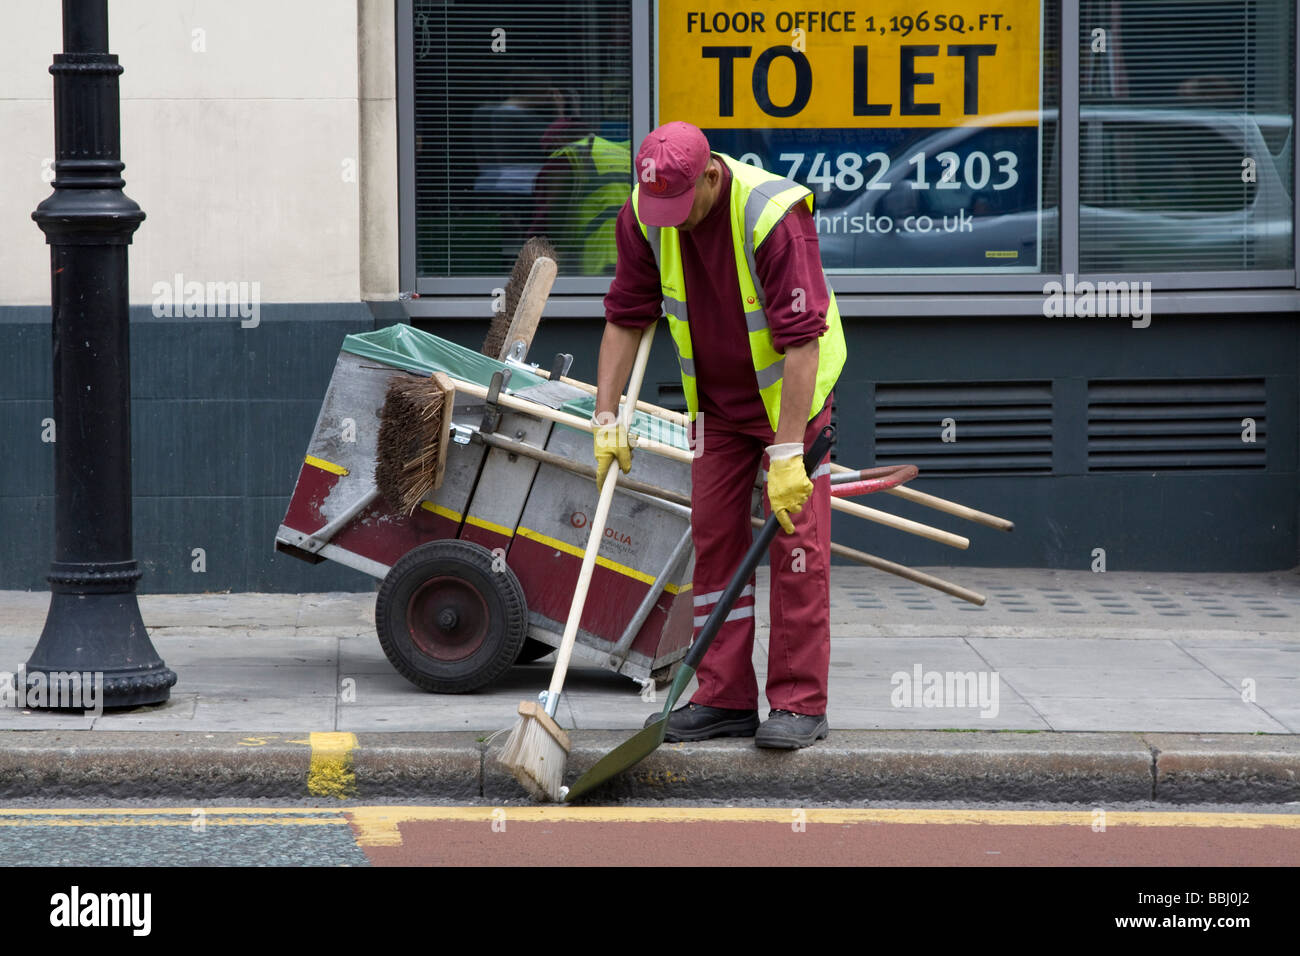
[1176, 424]
[996, 427]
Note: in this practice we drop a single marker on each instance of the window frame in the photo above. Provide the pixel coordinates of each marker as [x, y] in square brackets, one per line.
[1021, 293]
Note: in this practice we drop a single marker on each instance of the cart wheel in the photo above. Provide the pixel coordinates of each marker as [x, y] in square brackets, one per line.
[534, 650]
[447, 620]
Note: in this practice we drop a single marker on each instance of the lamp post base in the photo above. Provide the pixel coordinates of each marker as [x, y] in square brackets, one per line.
[96, 635]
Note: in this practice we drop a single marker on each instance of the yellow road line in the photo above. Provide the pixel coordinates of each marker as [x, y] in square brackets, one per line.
[324, 465]
[330, 773]
[378, 826]
[158, 811]
[189, 821]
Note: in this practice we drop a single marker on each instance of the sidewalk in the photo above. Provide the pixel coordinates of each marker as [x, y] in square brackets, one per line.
[1131, 686]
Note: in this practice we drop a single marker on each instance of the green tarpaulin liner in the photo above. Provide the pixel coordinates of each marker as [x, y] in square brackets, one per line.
[406, 347]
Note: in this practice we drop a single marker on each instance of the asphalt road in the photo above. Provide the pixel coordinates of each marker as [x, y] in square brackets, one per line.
[407, 835]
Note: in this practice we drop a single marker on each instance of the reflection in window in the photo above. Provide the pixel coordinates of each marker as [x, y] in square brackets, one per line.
[1186, 135]
[522, 127]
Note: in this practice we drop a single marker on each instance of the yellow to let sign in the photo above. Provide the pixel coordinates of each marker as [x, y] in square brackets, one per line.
[836, 64]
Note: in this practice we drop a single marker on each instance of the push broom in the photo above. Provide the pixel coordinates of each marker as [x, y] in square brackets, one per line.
[537, 749]
[413, 424]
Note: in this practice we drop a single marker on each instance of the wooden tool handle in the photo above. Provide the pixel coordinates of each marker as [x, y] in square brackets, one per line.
[942, 504]
[667, 414]
[900, 524]
[598, 524]
[677, 454]
[911, 574]
[952, 508]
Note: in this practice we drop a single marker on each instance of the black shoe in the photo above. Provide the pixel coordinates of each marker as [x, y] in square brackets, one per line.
[785, 730]
[698, 722]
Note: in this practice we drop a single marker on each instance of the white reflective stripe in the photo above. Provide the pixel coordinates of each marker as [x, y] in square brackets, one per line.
[756, 320]
[771, 375]
[738, 614]
[688, 365]
[714, 595]
[652, 237]
[755, 203]
[758, 199]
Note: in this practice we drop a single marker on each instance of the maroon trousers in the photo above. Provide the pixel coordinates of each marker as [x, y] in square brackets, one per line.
[799, 646]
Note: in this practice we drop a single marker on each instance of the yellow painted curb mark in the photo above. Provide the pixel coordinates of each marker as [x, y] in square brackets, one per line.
[330, 774]
[324, 465]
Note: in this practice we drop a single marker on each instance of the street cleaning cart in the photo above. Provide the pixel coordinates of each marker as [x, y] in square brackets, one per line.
[480, 575]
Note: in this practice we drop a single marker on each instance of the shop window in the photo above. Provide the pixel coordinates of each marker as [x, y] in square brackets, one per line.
[522, 127]
[1185, 135]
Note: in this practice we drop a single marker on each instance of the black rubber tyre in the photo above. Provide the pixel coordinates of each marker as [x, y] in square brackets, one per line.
[533, 650]
[448, 620]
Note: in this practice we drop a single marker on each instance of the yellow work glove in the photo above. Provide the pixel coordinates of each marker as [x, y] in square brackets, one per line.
[611, 442]
[788, 486]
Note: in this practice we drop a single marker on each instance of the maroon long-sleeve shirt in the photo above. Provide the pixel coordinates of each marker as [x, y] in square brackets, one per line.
[789, 270]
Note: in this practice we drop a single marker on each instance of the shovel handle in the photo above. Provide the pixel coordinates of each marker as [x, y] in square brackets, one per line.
[820, 446]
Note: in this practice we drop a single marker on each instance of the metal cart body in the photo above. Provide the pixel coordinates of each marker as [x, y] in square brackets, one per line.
[529, 515]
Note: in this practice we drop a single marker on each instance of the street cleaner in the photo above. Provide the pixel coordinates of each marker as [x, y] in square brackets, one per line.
[729, 253]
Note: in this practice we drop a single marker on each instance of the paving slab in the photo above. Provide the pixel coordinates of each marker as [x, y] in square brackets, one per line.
[1151, 665]
[1172, 715]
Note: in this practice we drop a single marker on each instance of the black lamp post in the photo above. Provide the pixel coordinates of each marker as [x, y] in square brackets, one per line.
[94, 625]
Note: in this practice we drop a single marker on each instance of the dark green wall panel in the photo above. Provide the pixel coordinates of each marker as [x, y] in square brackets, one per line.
[222, 416]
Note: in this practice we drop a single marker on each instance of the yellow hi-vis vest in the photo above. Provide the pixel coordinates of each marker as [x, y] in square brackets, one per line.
[759, 200]
[600, 170]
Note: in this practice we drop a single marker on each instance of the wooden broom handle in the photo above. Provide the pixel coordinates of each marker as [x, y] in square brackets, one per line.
[658, 411]
[677, 454]
[597, 534]
[944, 505]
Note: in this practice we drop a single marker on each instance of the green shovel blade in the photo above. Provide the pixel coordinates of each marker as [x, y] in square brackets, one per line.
[631, 752]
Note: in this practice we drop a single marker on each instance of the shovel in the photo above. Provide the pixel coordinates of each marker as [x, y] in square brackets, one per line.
[633, 751]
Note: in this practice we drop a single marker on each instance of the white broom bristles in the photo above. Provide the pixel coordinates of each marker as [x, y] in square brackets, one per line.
[536, 754]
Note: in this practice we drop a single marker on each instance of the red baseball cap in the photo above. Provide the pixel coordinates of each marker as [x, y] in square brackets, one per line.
[669, 161]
